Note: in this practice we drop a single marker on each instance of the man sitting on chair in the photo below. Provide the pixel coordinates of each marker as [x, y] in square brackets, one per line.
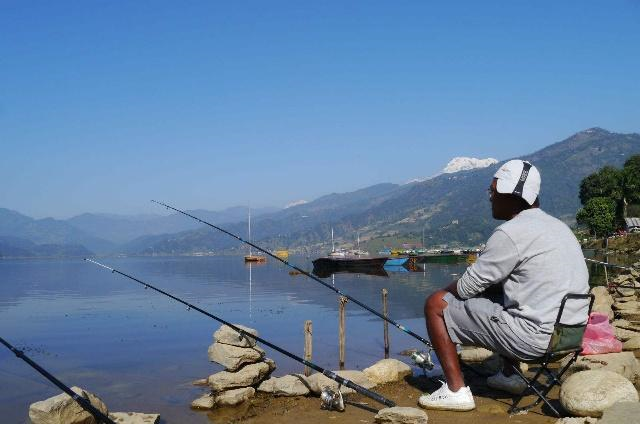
[537, 260]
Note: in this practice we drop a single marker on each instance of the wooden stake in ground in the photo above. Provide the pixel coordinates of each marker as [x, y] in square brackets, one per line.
[308, 345]
[341, 330]
[385, 312]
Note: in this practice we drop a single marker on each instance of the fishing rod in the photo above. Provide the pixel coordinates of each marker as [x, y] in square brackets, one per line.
[428, 364]
[327, 373]
[626, 268]
[84, 403]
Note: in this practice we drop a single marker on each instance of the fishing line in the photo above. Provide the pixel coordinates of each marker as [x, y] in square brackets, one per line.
[242, 333]
[314, 278]
[84, 403]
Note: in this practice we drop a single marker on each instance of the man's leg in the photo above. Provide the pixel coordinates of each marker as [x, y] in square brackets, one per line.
[442, 344]
[508, 363]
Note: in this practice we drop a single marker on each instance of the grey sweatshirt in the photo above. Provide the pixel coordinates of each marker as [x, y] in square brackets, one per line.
[538, 260]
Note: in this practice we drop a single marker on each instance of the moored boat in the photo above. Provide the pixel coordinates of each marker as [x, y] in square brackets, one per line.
[251, 257]
[395, 261]
[282, 253]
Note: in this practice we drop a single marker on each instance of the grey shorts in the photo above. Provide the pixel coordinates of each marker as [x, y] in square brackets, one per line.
[480, 322]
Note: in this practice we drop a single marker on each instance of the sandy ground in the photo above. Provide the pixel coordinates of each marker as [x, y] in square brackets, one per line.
[491, 407]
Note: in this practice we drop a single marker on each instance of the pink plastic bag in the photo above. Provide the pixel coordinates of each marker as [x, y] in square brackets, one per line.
[599, 336]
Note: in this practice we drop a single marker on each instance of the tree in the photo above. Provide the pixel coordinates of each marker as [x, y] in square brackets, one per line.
[631, 179]
[607, 182]
[599, 215]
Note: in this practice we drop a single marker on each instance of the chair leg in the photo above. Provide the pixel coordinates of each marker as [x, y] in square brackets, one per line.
[514, 408]
[542, 395]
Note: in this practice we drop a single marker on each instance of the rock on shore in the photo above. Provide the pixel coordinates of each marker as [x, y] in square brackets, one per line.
[387, 370]
[245, 368]
[62, 409]
[134, 418]
[246, 376]
[401, 415]
[289, 385]
[317, 382]
[589, 393]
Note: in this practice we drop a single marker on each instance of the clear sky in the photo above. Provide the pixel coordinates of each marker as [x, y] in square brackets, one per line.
[203, 104]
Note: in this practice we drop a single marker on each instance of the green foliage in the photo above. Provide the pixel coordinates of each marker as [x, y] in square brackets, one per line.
[598, 214]
[607, 182]
[631, 179]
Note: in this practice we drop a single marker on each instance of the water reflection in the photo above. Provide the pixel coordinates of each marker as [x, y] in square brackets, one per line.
[139, 350]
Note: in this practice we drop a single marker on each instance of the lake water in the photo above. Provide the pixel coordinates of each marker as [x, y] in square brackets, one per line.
[139, 350]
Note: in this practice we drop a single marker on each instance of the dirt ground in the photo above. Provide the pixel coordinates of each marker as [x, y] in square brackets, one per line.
[491, 407]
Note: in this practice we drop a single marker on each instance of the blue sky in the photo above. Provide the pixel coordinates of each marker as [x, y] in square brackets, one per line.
[107, 104]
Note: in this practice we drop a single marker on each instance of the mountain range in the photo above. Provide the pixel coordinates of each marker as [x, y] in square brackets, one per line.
[450, 208]
[22, 236]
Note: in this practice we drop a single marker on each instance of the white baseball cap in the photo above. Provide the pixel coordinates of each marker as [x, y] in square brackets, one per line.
[519, 177]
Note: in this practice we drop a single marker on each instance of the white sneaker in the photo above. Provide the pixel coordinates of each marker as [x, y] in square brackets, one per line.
[513, 384]
[445, 399]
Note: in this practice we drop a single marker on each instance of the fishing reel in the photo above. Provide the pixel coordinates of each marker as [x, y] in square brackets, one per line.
[423, 360]
[331, 400]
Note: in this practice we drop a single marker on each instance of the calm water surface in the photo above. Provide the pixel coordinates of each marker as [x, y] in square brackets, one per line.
[139, 350]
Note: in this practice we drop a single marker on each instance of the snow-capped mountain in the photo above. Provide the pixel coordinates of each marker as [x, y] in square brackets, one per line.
[465, 164]
[295, 203]
[460, 163]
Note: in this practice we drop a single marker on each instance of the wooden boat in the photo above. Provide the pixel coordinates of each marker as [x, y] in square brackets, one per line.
[353, 260]
[255, 258]
[445, 256]
[349, 260]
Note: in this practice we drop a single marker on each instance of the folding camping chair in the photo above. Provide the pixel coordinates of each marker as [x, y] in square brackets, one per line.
[565, 340]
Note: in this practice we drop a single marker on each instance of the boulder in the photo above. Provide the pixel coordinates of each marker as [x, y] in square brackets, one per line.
[289, 385]
[626, 291]
[247, 376]
[235, 396]
[62, 409]
[474, 354]
[577, 420]
[624, 335]
[387, 370]
[318, 381]
[601, 294]
[588, 393]
[623, 323]
[623, 363]
[401, 415]
[227, 335]
[234, 357]
[632, 343]
[621, 412]
[206, 401]
[629, 314]
[134, 418]
[623, 299]
[603, 308]
[631, 305]
[271, 363]
[622, 278]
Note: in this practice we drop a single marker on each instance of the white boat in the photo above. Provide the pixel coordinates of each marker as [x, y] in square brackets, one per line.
[258, 257]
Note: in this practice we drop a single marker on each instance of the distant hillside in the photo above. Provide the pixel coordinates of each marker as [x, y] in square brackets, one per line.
[122, 229]
[451, 208]
[14, 247]
[48, 231]
[23, 236]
